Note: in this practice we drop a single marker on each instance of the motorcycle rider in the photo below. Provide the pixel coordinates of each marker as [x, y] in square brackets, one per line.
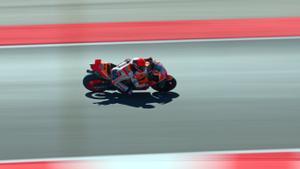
[128, 70]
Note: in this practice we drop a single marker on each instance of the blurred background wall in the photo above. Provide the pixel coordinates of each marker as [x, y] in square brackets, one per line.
[73, 11]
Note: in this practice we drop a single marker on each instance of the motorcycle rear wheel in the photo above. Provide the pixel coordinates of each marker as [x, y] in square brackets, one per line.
[94, 84]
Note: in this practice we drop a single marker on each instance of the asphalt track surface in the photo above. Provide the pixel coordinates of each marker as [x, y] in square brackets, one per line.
[15, 12]
[231, 95]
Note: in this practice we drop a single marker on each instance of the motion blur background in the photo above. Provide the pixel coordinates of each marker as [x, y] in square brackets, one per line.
[74, 11]
[231, 94]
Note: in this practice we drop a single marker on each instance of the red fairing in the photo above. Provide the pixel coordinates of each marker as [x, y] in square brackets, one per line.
[100, 67]
[96, 65]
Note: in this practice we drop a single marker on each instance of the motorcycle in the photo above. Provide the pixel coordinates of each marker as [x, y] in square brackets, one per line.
[98, 79]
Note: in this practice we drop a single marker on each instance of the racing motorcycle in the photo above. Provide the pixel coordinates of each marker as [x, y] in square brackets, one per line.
[98, 79]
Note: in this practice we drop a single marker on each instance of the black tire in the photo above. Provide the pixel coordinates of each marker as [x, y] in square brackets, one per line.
[168, 85]
[94, 88]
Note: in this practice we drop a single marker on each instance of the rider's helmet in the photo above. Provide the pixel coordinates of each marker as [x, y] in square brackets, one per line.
[149, 63]
[139, 64]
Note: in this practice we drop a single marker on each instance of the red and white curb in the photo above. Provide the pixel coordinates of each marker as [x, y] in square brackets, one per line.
[276, 159]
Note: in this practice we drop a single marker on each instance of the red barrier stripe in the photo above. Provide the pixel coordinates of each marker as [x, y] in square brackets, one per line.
[265, 160]
[33, 165]
[147, 31]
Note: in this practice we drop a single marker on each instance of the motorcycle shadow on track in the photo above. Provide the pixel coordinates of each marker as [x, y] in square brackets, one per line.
[144, 100]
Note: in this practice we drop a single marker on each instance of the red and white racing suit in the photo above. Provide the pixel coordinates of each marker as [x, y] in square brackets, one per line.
[124, 72]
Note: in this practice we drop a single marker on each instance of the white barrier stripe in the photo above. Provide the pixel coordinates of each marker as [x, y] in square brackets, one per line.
[148, 42]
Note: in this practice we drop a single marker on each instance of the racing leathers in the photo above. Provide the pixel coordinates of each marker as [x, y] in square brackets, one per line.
[125, 71]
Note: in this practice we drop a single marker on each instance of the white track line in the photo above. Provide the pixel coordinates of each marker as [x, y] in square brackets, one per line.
[147, 42]
[151, 156]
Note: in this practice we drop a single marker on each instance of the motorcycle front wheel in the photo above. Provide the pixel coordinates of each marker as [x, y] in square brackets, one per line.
[166, 85]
